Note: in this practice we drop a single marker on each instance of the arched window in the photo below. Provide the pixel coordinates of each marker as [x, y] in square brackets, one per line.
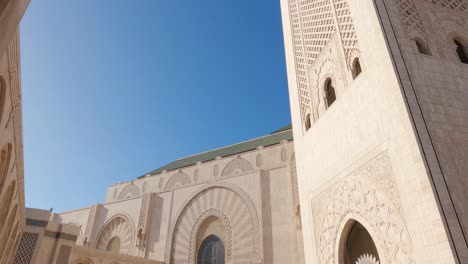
[461, 51]
[356, 68]
[422, 47]
[307, 122]
[358, 246]
[211, 251]
[114, 245]
[330, 92]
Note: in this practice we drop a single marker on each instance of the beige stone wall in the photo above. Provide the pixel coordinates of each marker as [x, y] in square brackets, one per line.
[360, 160]
[437, 82]
[251, 194]
[11, 152]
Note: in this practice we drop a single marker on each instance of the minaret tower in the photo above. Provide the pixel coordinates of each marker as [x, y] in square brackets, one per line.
[379, 103]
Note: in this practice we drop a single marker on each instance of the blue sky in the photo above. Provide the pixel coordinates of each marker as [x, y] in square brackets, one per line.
[112, 90]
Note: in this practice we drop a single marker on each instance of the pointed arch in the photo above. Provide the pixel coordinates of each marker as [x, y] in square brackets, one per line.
[178, 179]
[237, 166]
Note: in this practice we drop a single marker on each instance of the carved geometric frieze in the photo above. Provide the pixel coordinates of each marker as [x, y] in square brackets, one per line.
[370, 193]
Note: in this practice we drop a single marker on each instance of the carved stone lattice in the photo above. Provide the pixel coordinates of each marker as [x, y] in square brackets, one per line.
[26, 248]
[64, 255]
[458, 5]
[365, 193]
[347, 31]
[410, 16]
[312, 27]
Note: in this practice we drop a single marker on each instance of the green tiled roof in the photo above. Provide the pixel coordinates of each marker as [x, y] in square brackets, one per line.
[276, 137]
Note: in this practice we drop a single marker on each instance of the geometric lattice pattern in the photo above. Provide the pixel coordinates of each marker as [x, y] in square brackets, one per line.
[312, 26]
[411, 19]
[347, 32]
[26, 248]
[64, 255]
[458, 5]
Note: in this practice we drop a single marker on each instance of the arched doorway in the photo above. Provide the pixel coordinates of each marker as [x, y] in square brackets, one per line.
[358, 246]
[211, 251]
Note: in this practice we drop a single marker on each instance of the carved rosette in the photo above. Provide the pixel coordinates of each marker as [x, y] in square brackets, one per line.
[368, 193]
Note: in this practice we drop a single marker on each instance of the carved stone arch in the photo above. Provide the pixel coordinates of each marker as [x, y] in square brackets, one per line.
[130, 191]
[178, 179]
[120, 225]
[196, 239]
[237, 166]
[355, 197]
[343, 231]
[239, 210]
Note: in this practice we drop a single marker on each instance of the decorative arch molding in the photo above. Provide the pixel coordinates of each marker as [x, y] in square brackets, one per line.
[237, 166]
[120, 225]
[194, 243]
[368, 195]
[178, 179]
[130, 191]
[234, 207]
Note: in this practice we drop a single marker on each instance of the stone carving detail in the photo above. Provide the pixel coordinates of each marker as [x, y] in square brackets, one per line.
[410, 16]
[458, 5]
[129, 191]
[198, 233]
[178, 179]
[237, 212]
[26, 248]
[118, 226]
[312, 27]
[64, 255]
[363, 194]
[347, 32]
[237, 166]
[216, 170]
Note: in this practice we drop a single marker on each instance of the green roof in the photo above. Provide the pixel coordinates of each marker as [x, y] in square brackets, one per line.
[276, 137]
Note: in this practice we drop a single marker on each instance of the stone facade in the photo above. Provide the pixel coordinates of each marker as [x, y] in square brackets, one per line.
[246, 199]
[380, 143]
[11, 141]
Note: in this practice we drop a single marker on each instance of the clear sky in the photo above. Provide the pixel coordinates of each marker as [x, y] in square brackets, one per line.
[113, 89]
